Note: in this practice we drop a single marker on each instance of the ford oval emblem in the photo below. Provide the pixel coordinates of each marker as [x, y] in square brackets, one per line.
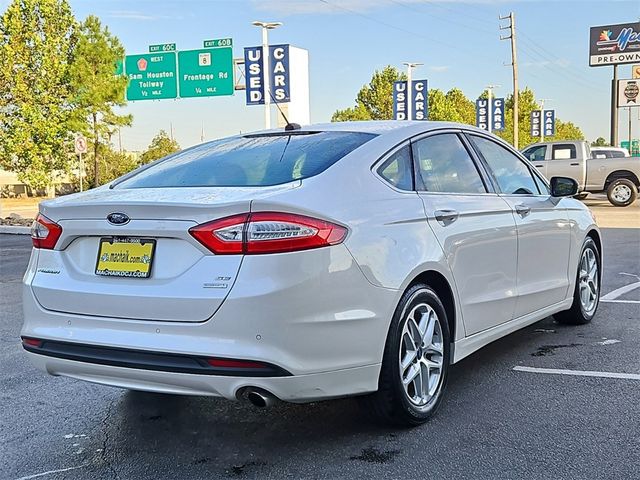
[118, 218]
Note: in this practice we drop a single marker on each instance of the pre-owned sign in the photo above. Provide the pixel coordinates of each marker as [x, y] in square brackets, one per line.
[279, 84]
[614, 44]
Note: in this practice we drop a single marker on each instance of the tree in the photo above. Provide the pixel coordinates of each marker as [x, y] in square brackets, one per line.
[375, 100]
[526, 104]
[160, 146]
[113, 165]
[37, 38]
[96, 87]
[600, 142]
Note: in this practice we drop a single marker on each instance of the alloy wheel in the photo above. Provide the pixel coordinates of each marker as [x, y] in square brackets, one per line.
[421, 354]
[589, 281]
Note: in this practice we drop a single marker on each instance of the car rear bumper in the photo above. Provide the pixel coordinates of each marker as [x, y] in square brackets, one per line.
[311, 314]
[297, 388]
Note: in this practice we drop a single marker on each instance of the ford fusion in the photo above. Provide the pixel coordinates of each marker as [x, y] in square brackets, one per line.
[349, 259]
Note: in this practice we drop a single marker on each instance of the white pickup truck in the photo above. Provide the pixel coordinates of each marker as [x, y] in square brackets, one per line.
[618, 177]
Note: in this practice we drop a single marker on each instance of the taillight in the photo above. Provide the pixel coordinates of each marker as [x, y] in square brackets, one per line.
[45, 233]
[267, 232]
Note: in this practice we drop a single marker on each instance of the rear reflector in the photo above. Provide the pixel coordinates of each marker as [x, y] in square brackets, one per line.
[267, 232]
[45, 233]
[32, 342]
[227, 363]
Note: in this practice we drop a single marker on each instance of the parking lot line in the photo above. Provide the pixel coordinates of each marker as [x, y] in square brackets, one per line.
[620, 301]
[37, 475]
[618, 292]
[579, 373]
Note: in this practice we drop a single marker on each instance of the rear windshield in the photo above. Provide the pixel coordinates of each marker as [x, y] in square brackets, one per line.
[250, 161]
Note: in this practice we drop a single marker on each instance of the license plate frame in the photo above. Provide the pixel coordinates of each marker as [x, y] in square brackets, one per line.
[144, 247]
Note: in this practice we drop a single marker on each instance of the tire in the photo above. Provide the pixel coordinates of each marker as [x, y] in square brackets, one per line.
[392, 403]
[581, 311]
[581, 196]
[622, 192]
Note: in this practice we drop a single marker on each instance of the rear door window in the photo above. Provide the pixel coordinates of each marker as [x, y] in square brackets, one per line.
[444, 165]
[250, 161]
[563, 152]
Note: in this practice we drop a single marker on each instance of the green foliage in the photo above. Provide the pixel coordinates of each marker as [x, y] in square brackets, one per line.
[111, 164]
[160, 146]
[526, 104]
[375, 100]
[97, 90]
[36, 41]
[600, 142]
[451, 107]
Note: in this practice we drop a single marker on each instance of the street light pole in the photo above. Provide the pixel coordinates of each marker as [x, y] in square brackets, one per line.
[266, 26]
[410, 66]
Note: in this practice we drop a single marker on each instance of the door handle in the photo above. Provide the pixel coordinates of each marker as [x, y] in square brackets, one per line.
[446, 217]
[539, 166]
[575, 164]
[523, 210]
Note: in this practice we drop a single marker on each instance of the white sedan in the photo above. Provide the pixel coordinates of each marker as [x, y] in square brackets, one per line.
[346, 259]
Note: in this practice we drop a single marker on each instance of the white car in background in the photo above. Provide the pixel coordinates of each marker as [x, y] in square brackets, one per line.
[345, 259]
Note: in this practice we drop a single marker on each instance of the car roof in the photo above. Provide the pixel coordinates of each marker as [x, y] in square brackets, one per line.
[379, 127]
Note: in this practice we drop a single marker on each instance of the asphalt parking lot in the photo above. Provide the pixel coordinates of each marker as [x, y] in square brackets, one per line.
[496, 422]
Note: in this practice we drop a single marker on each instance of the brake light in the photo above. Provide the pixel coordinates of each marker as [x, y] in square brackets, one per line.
[267, 232]
[229, 363]
[45, 233]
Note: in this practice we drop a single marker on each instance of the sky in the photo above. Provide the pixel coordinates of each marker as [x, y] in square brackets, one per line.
[457, 41]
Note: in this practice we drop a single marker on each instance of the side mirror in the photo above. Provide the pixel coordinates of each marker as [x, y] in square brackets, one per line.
[563, 187]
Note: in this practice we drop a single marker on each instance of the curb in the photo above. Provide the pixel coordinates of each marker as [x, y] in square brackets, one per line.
[15, 230]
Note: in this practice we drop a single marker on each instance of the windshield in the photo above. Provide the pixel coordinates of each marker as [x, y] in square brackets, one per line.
[250, 161]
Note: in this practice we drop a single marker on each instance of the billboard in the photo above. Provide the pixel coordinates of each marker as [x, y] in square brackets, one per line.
[614, 44]
[628, 93]
[254, 67]
[419, 100]
[543, 123]
[496, 114]
[279, 79]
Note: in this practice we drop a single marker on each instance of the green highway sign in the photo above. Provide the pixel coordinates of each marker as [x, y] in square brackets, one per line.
[163, 47]
[218, 42]
[206, 72]
[152, 76]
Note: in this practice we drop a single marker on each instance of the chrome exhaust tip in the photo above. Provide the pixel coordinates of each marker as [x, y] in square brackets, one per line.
[261, 398]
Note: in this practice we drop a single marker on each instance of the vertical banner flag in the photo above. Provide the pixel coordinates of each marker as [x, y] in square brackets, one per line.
[253, 67]
[497, 114]
[482, 114]
[536, 123]
[420, 99]
[549, 123]
[279, 79]
[399, 100]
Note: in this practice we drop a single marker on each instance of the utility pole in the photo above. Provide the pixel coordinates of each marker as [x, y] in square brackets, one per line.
[119, 139]
[490, 89]
[542, 100]
[202, 133]
[266, 26]
[514, 66]
[410, 66]
[171, 131]
[614, 108]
